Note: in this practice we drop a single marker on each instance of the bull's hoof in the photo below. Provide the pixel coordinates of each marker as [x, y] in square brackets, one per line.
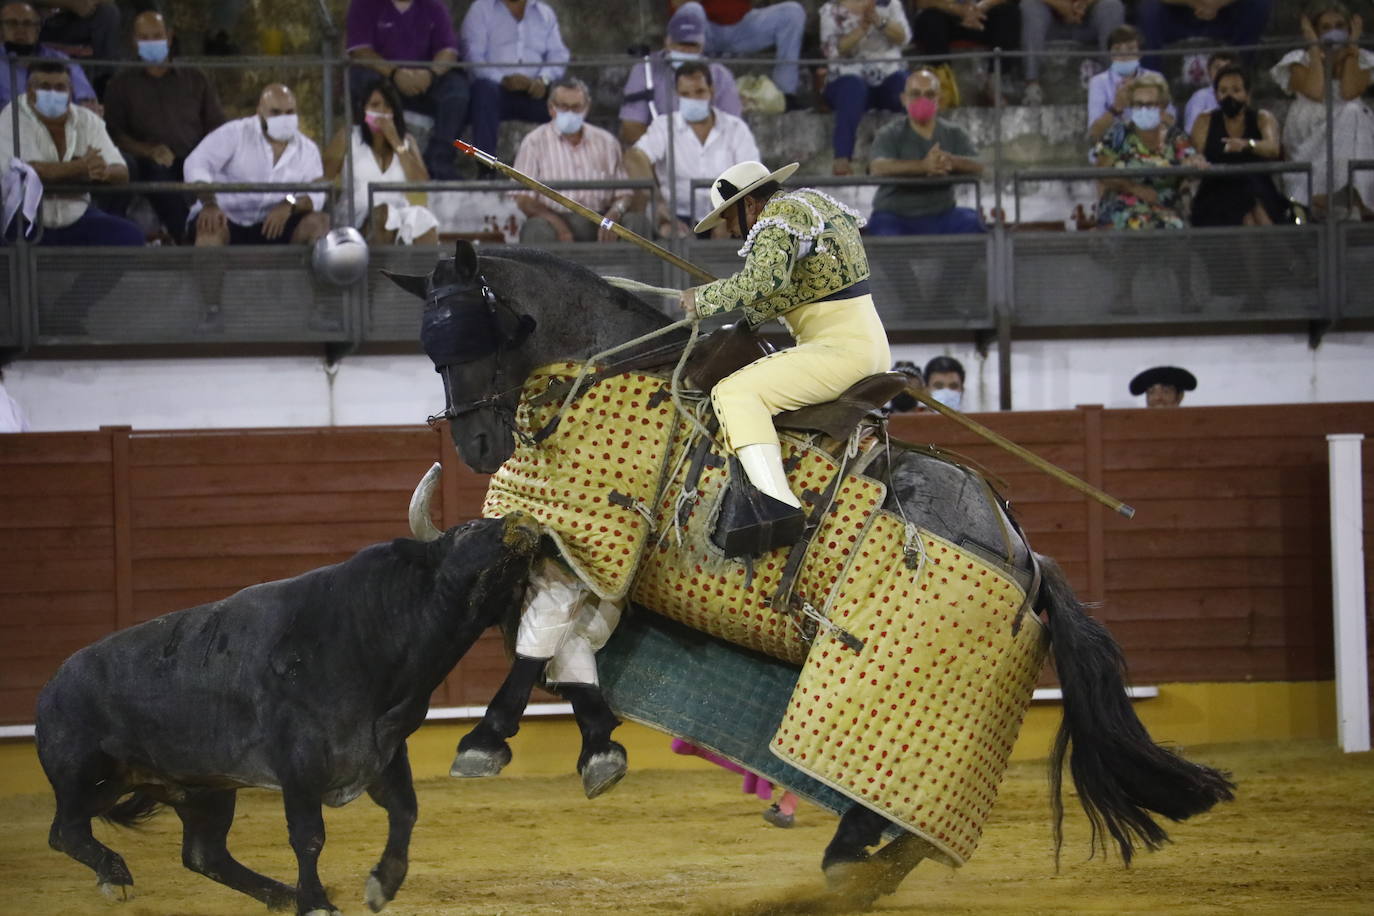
[119, 893]
[375, 898]
[475, 763]
[853, 882]
[602, 771]
[321, 911]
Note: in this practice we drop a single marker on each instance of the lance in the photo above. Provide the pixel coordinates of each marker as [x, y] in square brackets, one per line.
[919, 393]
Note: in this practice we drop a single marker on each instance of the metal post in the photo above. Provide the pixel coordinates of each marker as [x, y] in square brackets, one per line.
[999, 259]
[26, 303]
[1331, 266]
[1347, 592]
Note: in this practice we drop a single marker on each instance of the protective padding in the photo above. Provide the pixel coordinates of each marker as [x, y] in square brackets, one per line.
[919, 725]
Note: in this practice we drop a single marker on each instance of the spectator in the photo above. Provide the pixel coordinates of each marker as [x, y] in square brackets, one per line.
[1078, 20]
[1163, 386]
[905, 402]
[1224, 22]
[383, 151]
[82, 28]
[570, 149]
[1332, 33]
[945, 381]
[736, 27]
[67, 144]
[1108, 91]
[1237, 134]
[501, 31]
[705, 143]
[649, 90]
[157, 114]
[19, 26]
[922, 145]
[1146, 141]
[871, 36]
[380, 32]
[1205, 99]
[265, 146]
[993, 23]
[12, 418]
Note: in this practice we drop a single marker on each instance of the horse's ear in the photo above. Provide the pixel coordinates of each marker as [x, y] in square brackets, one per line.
[416, 286]
[465, 261]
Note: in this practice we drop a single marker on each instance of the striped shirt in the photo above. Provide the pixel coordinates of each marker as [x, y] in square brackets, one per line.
[547, 155]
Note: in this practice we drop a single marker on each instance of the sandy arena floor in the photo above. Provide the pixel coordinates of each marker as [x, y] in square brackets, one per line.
[1299, 839]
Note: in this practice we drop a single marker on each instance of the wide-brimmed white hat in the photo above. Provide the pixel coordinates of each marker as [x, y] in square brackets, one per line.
[737, 181]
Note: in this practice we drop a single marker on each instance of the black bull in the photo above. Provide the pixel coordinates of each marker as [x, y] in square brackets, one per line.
[310, 685]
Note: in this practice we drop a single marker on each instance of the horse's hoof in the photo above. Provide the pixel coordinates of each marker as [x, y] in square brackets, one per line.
[602, 771]
[853, 882]
[321, 911]
[375, 898]
[119, 893]
[476, 763]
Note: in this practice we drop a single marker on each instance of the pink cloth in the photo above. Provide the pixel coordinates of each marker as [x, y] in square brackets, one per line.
[753, 783]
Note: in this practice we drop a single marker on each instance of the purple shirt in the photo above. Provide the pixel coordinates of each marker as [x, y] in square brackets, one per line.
[419, 33]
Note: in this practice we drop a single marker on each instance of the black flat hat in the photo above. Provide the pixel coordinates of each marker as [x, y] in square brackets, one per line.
[1172, 376]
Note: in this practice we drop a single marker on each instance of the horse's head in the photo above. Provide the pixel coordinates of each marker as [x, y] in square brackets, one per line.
[474, 339]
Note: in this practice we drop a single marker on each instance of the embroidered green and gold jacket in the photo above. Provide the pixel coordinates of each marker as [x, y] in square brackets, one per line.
[804, 247]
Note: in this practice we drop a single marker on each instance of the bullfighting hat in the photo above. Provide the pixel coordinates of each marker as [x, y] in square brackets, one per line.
[1172, 376]
[735, 183]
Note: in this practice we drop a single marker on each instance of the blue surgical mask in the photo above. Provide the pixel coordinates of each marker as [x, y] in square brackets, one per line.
[154, 52]
[1336, 36]
[950, 397]
[678, 58]
[1145, 117]
[50, 102]
[1126, 67]
[568, 122]
[695, 110]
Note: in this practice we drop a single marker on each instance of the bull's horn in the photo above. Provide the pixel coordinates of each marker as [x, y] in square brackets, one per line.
[420, 524]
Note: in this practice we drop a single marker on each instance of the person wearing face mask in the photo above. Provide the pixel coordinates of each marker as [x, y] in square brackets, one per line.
[705, 142]
[649, 89]
[742, 28]
[1236, 134]
[265, 146]
[863, 42]
[157, 114]
[383, 151]
[945, 381]
[1222, 22]
[570, 149]
[1205, 99]
[1108, 90]
[1332, 36]
[20, 26]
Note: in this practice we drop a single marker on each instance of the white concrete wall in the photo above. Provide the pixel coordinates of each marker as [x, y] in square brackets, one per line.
[363, 390]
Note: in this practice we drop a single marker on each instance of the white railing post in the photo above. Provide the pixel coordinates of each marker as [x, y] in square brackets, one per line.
[1347, 592]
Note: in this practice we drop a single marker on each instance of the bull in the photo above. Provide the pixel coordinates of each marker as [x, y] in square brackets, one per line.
[309, 685]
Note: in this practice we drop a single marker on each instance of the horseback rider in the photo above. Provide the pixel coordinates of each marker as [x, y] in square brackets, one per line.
[804, 264]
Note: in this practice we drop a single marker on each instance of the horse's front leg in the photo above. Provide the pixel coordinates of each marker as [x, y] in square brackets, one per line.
[859, 878]
[484, 751]
[603, 762]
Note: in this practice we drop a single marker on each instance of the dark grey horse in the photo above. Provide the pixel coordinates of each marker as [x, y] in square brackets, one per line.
[489, 322]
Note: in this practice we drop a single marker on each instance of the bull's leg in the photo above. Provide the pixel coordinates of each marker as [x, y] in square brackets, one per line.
[395, 792]
[484, 751]
[602, 762]
[305, 824]
[205, 821]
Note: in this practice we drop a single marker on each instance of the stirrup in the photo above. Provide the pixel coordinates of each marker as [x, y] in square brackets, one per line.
[752, 523]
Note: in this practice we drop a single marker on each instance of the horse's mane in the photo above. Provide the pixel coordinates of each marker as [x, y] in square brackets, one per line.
[574, 272]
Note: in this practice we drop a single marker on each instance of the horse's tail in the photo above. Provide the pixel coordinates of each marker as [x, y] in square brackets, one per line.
[1119, 772]
[132, 811]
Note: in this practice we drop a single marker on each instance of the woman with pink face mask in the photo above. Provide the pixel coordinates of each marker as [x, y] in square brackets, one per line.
[383, 152]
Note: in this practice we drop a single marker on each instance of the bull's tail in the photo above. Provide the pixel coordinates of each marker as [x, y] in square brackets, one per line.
[132, 811]
[1120, 773]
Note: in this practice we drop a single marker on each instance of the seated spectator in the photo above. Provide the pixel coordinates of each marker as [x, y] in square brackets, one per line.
[1108, 91]
[525, 32]
[1075, 20]
[1237, 134]
[1205, 99]
[265, 146]
[864, 42]
[383, 151]
[157, 114]
[82, 28]
[67, 144]
[1144, 141]
[570, 149]
[1224, 22]
[922, 145]
[991, 23]
[380, 32]
[19, 27]
[905, 402]
[705, 142]
[945, 381]
[649, 89]
[1330, 32]
[1163, 386]
[737, 27]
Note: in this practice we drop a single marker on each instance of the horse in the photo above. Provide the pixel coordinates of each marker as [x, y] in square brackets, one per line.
[520, 309]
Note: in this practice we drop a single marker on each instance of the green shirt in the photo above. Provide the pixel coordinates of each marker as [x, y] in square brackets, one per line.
[899, 140]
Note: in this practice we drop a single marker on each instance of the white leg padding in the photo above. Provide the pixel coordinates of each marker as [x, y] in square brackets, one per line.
[552, 601]
[575, 660]
[763, 464]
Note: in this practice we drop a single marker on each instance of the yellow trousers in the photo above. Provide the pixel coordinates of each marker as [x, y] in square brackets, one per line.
[838, 343]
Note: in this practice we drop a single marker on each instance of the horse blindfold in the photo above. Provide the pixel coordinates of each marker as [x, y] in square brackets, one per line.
[467, 332]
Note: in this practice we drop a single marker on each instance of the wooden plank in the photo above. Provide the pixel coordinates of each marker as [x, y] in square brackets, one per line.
[1024, 427]
[1217, 573]
[283, 446]
[32, 673]
[54, 448]
[123, 536]
[342, 507]
[1215, 452]
[96, 607]
[1290, 663]
[1218, 634]
[455, 505]
[226, 573]
[1202, 424]
[1294, 511]
[1092, 473]
[16, 543]
[259, 540]
[17, 705]
[1228, 483]
[58, 572]
[1215, 544]
[90, 479]
[1036, 517]
[1205, 603]
[48, 640]
[277, 478]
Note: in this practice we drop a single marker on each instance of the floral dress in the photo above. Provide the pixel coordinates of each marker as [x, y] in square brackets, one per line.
[1123, 148]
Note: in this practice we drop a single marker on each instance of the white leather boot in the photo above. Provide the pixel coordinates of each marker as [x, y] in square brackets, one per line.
[763, 464]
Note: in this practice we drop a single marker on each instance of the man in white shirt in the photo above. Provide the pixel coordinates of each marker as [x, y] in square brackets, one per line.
[705, 142]
[266, 146]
